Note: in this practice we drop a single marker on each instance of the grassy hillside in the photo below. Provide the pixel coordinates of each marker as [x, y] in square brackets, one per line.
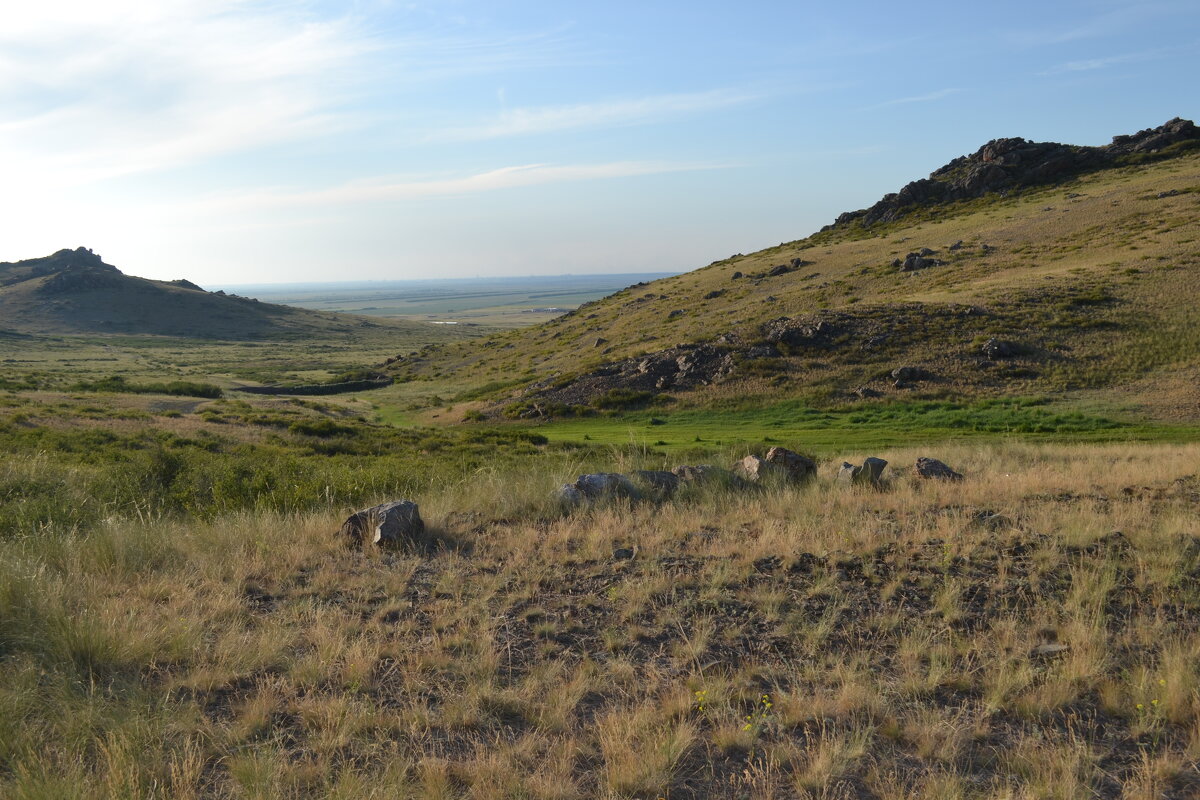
[1089, 279]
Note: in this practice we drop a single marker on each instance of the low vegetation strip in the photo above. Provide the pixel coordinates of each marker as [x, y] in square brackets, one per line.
[1031, 631]
[317, 389]
[119, 384]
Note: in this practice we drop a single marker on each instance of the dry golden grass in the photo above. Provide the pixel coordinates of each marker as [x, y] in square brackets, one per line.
[809, 642]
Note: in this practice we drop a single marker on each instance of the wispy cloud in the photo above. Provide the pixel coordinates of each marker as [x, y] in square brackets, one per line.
[630, 111]
[920, 98]
[91, 91]
[1117, 20]
[402, 188]
[1089, 64]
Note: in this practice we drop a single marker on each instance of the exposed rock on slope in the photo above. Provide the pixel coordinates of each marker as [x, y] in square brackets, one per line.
[1006, 164]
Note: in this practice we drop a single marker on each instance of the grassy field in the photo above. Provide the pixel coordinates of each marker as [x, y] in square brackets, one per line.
[58, 361]
[990, 639]
[826, 430]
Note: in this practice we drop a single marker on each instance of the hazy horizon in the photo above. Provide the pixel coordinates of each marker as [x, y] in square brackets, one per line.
[251, 142]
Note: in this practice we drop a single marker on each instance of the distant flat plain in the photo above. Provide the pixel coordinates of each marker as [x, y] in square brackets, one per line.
[509, 302]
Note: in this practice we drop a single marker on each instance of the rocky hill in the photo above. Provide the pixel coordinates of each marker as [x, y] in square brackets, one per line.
[1026, 268]
[75, 291]
[1004, 165]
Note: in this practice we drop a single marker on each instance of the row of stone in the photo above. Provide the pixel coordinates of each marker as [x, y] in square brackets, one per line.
[399, 522]
[778, 465]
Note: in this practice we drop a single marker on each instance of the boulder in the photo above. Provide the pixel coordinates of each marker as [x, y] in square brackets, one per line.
[569, 495]
[757, 470]
[869, 474]
[906, 374]
[656, 481]
[388, 525]
[932, 469]
[848, 473]
[704, 473]
[797, 467]
[999, 348]
[597, 486]
[916, 261]
[605, 484]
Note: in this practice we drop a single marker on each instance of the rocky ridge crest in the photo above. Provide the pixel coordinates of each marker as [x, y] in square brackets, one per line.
[1004, 165]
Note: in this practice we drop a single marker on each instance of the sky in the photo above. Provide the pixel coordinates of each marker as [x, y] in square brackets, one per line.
[260, 141]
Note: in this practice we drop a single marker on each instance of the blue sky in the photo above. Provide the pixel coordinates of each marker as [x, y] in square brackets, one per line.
[235, 141]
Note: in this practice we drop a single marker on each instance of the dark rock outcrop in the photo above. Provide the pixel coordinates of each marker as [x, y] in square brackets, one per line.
[1003, 165]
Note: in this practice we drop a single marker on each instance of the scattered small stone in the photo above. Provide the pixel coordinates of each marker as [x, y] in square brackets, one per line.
[714, 294]
[865, 393]
[600, 342]
[676, 313]
[957, 245]
[736, 275]
[1171, 193]
[908, 374]
[623, 554]
[925, 251]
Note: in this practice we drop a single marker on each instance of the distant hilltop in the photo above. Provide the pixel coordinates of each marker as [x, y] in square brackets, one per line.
[1002, 165]
[75, 291]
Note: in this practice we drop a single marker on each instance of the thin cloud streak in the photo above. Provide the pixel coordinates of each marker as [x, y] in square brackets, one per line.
[1089, 64]
[921, 98]
[387, 190]
[642, 110]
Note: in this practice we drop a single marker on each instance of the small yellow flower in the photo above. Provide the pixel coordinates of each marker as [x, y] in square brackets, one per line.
[1140, 706]
[1162, 682]
[1154, 702]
